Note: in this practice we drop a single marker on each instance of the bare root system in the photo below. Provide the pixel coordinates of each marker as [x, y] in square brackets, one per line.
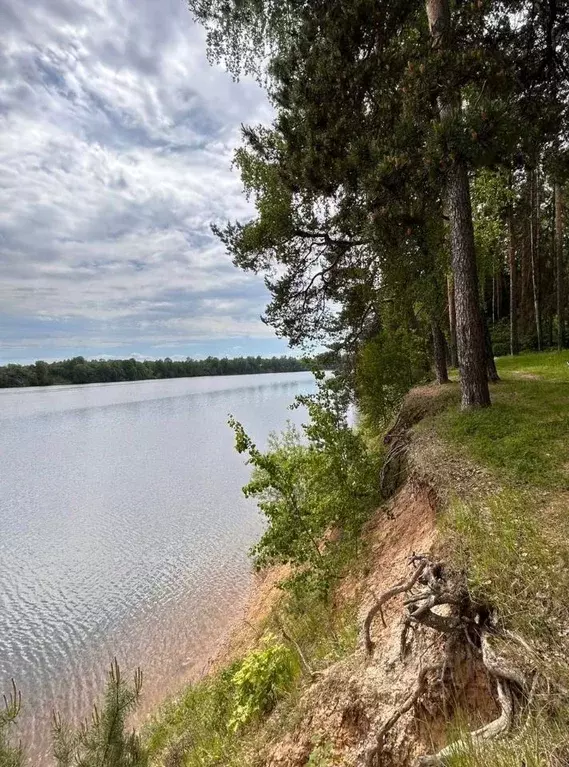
[438, 599]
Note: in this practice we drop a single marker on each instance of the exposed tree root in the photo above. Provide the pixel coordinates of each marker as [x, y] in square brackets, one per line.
[400, 588]
[463, 623]
[393, 469]
[491, 731]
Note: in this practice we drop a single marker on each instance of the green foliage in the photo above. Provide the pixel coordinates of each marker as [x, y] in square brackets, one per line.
[523, 437]
[500, 335]
[322, 630]
[321, 755]
[491, 196]
[10, 755]
[512, 562]
[80, 371]
[387, 367]
[193, 729]
[315, 490]
[102, 742]
[263, 677]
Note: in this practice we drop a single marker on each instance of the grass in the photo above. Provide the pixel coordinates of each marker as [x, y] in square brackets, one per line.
[552, 366]
[193, 729]
[543, 744]
[523, 437]
[511, 536]
[514, 545]
[517, 560]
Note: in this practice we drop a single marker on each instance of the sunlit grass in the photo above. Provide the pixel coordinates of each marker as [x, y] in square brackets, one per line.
[552, 366]
[524, 436]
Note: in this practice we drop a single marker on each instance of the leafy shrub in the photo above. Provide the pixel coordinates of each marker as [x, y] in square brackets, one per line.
[315, 488]
[262, 678]
[321, 755]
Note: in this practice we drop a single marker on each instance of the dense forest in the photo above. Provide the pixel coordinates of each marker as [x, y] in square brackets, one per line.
[78, 370]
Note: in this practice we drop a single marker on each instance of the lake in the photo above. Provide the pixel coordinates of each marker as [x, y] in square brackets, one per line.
[124, 532]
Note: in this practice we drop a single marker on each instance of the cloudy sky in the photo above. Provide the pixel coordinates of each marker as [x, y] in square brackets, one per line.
[116, 139]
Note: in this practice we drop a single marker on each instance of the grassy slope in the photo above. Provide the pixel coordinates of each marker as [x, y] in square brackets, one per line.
[523, 438]
[512, 541]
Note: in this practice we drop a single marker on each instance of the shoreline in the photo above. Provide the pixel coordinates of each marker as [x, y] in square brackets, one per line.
[240, 635]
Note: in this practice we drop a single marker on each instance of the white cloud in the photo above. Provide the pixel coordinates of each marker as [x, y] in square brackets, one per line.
[116, 138]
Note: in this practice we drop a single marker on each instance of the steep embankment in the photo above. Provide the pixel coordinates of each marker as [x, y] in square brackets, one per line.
[452, 621]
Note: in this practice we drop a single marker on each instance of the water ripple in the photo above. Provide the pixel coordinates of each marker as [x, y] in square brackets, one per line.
[123, 532]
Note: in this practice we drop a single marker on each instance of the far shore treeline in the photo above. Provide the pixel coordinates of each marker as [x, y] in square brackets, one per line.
[78, 370]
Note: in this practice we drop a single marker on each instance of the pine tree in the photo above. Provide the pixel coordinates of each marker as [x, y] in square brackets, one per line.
[102, 741]
[10, 755]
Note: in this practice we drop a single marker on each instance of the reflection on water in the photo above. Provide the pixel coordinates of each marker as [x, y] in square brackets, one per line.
[123, 531]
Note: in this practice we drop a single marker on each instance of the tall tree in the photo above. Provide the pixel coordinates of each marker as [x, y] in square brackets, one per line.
[559, 265]
[421, 102]
[452, 322]
[439, 351]
[513, 269]
[469, 327]
[534, 251]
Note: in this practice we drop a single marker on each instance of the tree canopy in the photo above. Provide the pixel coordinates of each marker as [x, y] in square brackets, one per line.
[389, 117]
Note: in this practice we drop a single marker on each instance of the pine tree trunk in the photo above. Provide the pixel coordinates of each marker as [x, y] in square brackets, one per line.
[514, 341]
[499, 292]
[439, 350]
[469, 329]
[491, 369]
[534, 255]
[559, 266]
[452, 322]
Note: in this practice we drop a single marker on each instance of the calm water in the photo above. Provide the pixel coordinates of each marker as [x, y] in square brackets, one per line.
[123, 532]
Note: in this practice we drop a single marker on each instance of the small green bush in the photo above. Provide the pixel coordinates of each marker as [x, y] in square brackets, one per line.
[263, 677]
[321, 755]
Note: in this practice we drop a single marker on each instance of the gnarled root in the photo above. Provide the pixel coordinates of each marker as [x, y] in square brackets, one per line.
[462, 621]
[400, 588]
[438, 590]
